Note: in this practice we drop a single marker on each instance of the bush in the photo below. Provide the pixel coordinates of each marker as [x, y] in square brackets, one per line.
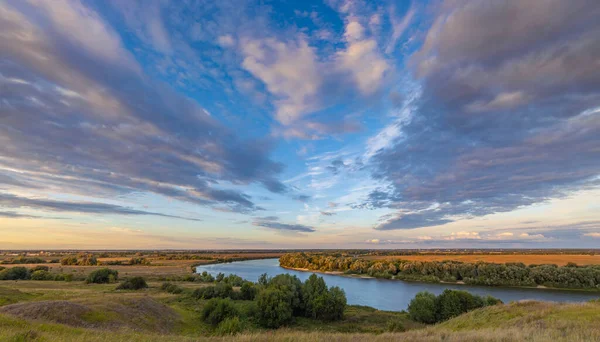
[422, 308]
[217, 310]
[171, 288]
[14, 273]
[274, 307]
[41, 275]
[248, 291]
[395, 325]
[102, 276]
[135, 283]
[233, 280]
[69, 261]
[220, 290]
[230, 326]
[427, 308]
[206, 277]
[40, 268]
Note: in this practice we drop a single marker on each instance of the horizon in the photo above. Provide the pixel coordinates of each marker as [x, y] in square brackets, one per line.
[320, 125]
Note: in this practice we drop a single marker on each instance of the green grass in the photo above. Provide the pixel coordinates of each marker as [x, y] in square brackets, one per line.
[153, 315]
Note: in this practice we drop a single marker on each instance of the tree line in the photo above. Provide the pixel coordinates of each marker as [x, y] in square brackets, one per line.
[480, 273]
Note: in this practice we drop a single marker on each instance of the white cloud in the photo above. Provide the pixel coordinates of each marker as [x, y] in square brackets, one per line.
[593, 235]
[463, 235]
[289, 70]
[362, 59]
[226, 40]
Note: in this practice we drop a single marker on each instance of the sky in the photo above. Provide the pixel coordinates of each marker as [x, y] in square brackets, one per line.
[299, 124]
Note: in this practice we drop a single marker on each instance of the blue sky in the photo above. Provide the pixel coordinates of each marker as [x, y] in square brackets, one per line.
[336, 124]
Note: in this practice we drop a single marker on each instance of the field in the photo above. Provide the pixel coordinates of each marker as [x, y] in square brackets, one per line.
[527, 259]
[157, 267]
[58, 311]
[75, 311]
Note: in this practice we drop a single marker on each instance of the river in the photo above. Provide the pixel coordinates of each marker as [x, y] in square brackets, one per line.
[391, 295]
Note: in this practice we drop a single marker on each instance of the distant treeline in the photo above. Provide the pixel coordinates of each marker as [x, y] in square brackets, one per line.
[511, 274]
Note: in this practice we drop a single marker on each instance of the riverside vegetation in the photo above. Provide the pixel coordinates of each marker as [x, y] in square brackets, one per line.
[96, 303]
[570, 276]
[282, 307]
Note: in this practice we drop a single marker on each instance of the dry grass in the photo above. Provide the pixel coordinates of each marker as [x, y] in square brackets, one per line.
[558, 259]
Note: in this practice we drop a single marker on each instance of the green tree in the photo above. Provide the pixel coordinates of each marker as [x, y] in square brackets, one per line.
[248, 291]
[422, 308]
[274, 307]
[217, 310]
[313, 287]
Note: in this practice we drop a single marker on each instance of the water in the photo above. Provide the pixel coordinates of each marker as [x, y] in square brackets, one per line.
[391, 295]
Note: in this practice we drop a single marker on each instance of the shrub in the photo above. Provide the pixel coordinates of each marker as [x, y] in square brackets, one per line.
[14, 273]
[69, 261]
[206, 277]
[230, 326]
[135, 283]
[427, 308]
[274, 307]
[217, 310]
[220, 290]
[40, 268]
[422, 308]
[41, 275]
[102, 276]
[233, 280]
[171, 288]
[248, 291]
[395, 325]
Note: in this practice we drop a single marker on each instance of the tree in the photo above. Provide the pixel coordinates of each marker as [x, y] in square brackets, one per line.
[422, 308]
[292, 287]
[313, 287]
[217, 310]
[248, 291]
[263, 279]
[274, 307]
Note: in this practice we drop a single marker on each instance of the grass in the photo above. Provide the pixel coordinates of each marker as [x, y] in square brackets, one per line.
[97, 312]
[528, 259]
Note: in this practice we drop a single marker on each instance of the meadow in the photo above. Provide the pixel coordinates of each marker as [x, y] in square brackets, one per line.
[58, 311]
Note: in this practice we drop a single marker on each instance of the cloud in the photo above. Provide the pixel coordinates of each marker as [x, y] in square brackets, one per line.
[290, 72]
[592, 235]
[399, 26]
[506, 117]
[85, 112]
[284, 226]
[13, 201]
[12, 214]
[362, 59]
[328, 213]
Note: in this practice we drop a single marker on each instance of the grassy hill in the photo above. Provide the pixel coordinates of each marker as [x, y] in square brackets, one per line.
[55, 311]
